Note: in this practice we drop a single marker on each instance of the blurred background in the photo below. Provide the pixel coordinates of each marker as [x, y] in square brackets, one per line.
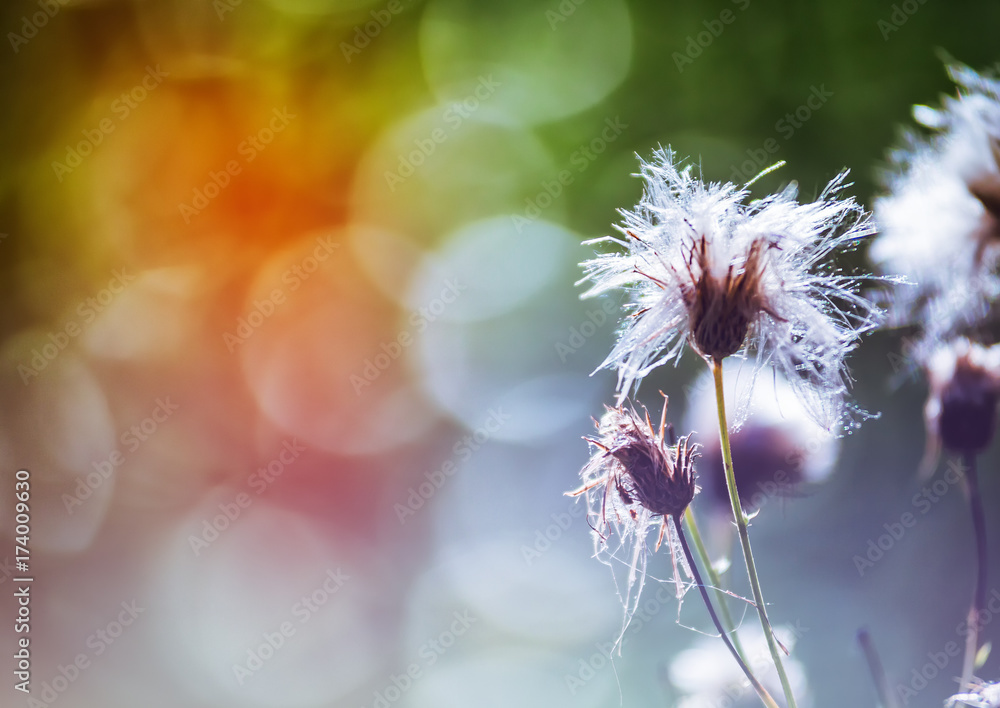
[292, 349]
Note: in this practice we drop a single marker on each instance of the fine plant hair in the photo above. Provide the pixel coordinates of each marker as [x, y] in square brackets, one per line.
[625, 502]
[754, 282]
[634, 482]
[706, 267]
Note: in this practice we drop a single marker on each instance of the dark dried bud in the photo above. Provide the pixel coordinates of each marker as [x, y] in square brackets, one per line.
[660, 481]
[961, 409]
[643, 469]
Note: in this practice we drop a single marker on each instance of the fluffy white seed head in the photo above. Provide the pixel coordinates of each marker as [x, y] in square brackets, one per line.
[938, 223]
[704, 268]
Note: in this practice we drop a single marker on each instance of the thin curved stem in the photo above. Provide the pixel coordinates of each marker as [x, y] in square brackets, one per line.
[713, 577]
[885, 695]
[741, 524]
[979, 591]
[761, 691]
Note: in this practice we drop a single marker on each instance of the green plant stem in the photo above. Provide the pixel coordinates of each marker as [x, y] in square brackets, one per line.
[727, 619]
[761, 691]
[979, 591]
[741, 524]
[885, 695]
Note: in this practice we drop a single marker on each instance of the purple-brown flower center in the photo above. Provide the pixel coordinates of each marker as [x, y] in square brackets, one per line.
[721, 309]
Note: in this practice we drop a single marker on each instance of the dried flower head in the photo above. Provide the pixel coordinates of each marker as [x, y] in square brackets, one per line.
[961, 410]
[634, 481]
[776, 453]
[731, 278]
[940, 221]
